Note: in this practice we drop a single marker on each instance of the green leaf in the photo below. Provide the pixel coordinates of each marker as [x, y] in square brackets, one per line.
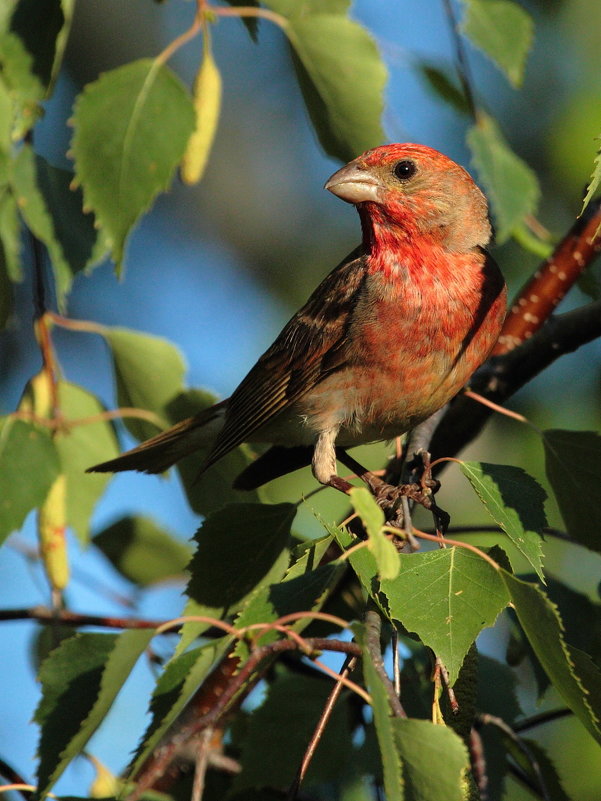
[573, 679]
[340, 73]
[6, 292]
[131, 130]
[240, 549]
[83, 245]
[25, 89]
[504, 31]
[80, 680]
[511, 185]
[372, 516]
[594, 181]
[29, 464]
[176, 685]
[295, 593]
[439, 80]
[446, 597]
[35, 212]
[515, 501]
[362, 561]
[10, 234]
[38, 23]
[392, 767]
[149, 372]
[572, 463]
[80, 446]
[421, 745]
[142, 552]
[273, 749]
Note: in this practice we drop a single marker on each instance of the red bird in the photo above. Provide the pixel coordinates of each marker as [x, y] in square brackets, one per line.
[386, 339]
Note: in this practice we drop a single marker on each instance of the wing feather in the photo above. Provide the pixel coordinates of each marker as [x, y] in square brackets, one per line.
[310, 347]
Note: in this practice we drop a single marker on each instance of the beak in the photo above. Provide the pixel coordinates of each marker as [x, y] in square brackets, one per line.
[355, 184]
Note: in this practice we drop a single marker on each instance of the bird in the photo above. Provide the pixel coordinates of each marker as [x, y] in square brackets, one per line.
[386, 339]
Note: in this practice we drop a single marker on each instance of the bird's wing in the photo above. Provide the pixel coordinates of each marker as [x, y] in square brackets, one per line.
[310, 347]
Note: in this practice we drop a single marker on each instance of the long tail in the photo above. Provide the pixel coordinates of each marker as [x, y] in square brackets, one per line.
[158, 453]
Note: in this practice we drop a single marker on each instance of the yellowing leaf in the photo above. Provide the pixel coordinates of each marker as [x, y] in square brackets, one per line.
[206, 94]
[52, 528]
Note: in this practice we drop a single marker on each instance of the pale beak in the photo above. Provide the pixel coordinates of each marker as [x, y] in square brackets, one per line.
[355, 184]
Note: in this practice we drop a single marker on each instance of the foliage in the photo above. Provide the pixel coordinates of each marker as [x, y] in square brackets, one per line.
[255, 586]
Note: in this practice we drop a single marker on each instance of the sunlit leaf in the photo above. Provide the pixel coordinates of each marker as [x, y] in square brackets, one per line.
[504, 31]
[80, 680]
[421, 745]
[594, 181]
[512, 187]
[149, 371]
[515, 501]
[131, 129]
[29, 464]
[446, 597]
[372, 516]
[542, 625]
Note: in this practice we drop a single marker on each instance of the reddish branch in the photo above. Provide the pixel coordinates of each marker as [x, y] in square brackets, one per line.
[552, 280]
[66, 618]
[215, 698]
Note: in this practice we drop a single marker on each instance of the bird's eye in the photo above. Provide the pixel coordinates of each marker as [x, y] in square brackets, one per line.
[405, 169]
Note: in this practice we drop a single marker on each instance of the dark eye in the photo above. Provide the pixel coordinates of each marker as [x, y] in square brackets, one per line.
[405, 169]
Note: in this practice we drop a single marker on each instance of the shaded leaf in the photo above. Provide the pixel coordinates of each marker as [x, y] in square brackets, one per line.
[179, 681]
[295, 593]
[504, 31]
[29, 464]
[515, 501]
[573, 467]
[38, 24]
[421, 745]
[512, 187]
[542, 625]
[149, 372]
[6, 292]
[251, 23]
[36, 214]
[446, 597]
[142, 552]
[10, 234]
[131, 129]
[83, 245]
[372, 516]
[362, 561]
[442, 84]
[240, 549]
[273, 749]
[80, 680]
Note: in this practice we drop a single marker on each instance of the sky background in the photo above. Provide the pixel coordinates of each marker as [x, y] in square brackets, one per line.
[218, 269]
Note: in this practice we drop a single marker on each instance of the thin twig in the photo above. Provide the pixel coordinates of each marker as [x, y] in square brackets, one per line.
[202, 761]
[493, 720]
[348, 667]
[373, 627]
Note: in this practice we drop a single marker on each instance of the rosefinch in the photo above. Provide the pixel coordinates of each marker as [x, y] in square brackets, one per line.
[386, 339]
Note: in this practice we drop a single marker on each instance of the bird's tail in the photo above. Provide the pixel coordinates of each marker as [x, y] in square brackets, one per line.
[157, 454]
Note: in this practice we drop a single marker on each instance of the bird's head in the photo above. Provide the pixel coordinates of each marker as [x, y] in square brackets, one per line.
[416, 191]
